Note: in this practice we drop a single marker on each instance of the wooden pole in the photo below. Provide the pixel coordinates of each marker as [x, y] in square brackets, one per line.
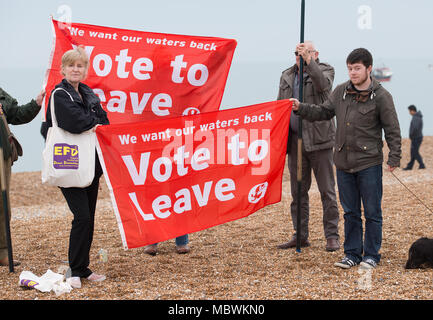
[6, 210]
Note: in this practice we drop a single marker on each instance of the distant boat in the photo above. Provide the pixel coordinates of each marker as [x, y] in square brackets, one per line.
[382, 74]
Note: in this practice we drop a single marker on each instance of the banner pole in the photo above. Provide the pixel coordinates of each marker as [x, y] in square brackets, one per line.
[299, 163]
[6, 210]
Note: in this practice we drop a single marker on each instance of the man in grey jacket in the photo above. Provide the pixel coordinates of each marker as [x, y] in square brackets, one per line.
[415, 136]
[318, 141]
[363, 108]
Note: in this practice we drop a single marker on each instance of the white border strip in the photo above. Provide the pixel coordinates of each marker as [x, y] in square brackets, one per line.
[50, 64]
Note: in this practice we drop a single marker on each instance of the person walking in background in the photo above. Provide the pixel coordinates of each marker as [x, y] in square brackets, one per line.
[13, 114]
[78, 109]
[317, 141]
[363, 108]
[415, 136]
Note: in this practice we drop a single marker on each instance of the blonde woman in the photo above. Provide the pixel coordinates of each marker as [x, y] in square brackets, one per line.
[78, 109]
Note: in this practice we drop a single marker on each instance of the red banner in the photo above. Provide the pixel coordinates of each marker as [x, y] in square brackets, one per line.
[144, 76]
[176, 176]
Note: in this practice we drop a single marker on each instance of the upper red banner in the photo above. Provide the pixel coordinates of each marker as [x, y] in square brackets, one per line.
[176, 176]
[143, 75]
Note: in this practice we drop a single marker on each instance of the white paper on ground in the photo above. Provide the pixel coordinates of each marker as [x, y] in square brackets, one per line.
[50, 281]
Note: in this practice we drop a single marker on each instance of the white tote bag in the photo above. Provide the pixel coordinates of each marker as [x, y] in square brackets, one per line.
[68, 159]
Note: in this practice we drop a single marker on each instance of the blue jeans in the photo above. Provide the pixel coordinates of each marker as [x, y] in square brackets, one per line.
[181, 241]
[364, 186]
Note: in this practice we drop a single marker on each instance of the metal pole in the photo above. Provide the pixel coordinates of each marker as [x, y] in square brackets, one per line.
[6, 210]
[299, 163]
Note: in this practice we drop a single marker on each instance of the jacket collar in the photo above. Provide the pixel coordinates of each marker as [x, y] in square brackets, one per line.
[85, 91]
[292, 71]
[371, 91]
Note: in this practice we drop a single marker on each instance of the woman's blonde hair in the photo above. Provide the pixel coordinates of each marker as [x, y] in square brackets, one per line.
[75, 55]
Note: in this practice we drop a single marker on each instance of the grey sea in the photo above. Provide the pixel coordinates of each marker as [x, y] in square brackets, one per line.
[248, 83]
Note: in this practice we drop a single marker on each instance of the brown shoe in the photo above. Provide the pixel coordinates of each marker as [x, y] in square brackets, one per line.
[183, 249]
[292, 244]
[151, 249]
[332, 244]
[5, 262]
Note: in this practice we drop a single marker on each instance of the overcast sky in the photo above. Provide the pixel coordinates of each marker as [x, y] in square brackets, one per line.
[266, 30]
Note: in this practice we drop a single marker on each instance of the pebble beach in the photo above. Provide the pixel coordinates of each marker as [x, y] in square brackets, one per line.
[234, 261]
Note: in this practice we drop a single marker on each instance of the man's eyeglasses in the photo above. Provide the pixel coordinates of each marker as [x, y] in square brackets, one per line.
[310, 51]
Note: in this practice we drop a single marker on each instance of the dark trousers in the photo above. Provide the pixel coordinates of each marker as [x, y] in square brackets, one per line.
[82, 203]
[363, 187]
[415, 144]
[320, 162]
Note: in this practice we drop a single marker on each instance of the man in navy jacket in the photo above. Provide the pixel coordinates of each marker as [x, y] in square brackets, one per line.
[415, 135]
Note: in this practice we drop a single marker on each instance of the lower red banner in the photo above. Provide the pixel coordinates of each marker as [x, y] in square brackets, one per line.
[181, 175]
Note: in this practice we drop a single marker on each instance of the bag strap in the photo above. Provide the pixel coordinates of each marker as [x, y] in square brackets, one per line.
[8, 130]
[11, 137]
[53, 115]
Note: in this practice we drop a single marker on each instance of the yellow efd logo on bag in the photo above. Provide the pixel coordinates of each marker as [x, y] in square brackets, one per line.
[65, 150]
[65, 156]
